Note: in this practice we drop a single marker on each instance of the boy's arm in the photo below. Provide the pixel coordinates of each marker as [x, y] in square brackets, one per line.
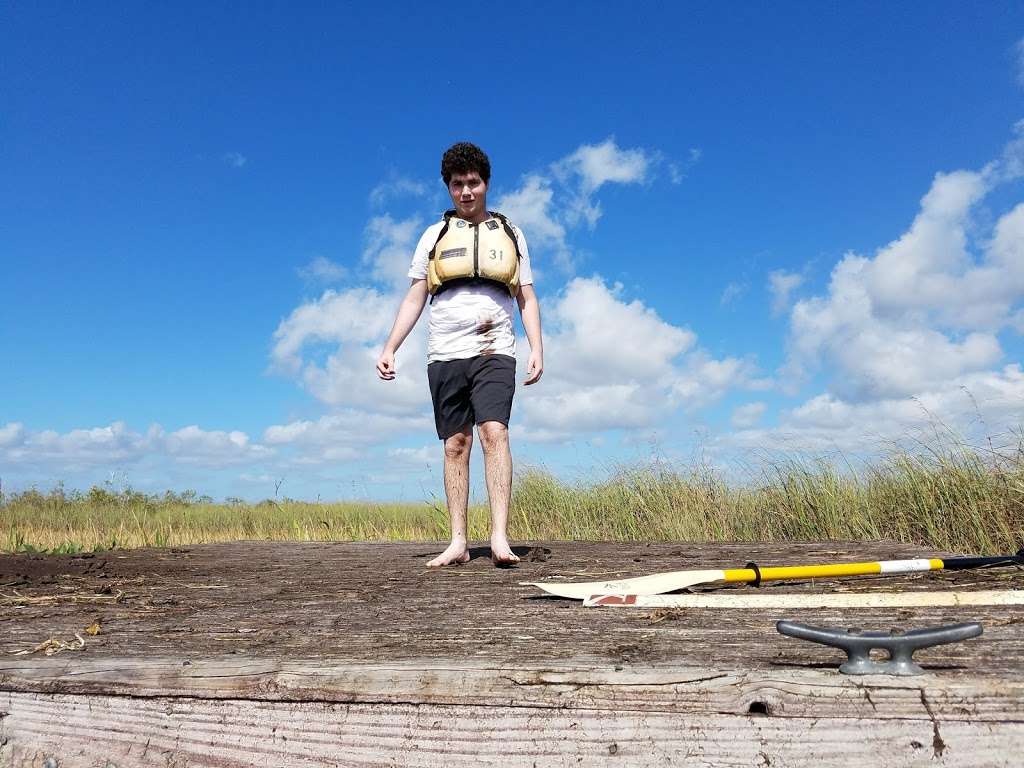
[408, 313]
[529, 308]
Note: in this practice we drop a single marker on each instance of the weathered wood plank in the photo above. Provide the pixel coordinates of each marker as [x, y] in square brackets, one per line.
[355, 654]
[85, 732]
[364, 602]
[789, 693]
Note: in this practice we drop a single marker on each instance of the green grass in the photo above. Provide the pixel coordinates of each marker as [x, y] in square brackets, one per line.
[961, 499]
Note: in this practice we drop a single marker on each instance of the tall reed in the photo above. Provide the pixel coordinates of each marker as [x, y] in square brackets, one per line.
[960, 499]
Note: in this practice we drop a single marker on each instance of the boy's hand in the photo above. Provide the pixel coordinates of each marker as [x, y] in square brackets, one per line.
[534, 368]
[386, 365]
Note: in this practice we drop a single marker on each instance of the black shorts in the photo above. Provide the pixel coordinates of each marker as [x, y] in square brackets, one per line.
[471, 391]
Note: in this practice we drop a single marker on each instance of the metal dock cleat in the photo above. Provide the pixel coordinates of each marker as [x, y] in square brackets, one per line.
[899, 645]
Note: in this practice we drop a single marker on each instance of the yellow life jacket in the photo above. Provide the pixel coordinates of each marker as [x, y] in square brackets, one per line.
[469, 253]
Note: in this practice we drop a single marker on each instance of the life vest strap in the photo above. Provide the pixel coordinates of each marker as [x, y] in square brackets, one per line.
[508, 231]
[447, 220]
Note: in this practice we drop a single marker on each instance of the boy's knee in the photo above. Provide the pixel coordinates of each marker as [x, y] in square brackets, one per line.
[457, 446]
[493, 435]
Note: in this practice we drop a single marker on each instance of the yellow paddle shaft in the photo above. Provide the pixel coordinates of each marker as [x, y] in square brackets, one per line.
[825, 571]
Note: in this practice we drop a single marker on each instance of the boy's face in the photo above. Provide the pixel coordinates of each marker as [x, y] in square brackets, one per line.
[469, 196]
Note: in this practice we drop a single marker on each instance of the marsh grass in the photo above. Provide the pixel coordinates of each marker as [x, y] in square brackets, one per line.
[959, 499]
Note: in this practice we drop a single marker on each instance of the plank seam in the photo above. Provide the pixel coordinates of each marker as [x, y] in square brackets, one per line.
[929, 716]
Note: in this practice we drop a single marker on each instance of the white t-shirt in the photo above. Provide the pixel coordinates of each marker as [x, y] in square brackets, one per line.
[469, 320]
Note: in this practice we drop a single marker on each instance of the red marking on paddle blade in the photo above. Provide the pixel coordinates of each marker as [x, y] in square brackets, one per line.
[612, 600]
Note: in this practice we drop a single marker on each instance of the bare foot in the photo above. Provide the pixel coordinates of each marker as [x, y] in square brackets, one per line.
[456, 554]
[501, 553]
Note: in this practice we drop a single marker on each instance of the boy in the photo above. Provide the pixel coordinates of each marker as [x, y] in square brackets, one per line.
[472, 265]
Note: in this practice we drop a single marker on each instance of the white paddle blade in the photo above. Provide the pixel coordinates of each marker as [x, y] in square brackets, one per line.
[817, 600]
[655, 584]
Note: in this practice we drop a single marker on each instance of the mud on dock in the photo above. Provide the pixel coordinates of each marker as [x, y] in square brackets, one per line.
[355, 654]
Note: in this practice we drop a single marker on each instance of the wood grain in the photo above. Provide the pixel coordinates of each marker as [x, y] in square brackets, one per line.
[354, 651]
[84, 732]
[782, 693]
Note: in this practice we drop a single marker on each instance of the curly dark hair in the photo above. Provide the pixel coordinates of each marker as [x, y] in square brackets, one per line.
[464, 158]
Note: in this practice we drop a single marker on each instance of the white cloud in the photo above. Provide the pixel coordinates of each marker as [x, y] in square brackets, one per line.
[347, 425]
[81, 447]
[356, 324]
[732, 292]
[1011, 164]
[117, 445]
[979, 404]
[598, 164]
[597, 336]
[344, 435]
[416, 456]
[322, 270]
[397, 187]
[1017, 321]
[703, 379]
[12, 435]
[193, 445]
[349, 377]
[781, 284]
[677, 171]
[354, 316]
[592, 166]
[546, 205]
[389, 248]
[616, 364]
[235, 159]
[259, 479]
[1018, 50]
[565, 411]
[748, 415]
[909, 337]
[928, 306]
[1006, 251]
[530, 207]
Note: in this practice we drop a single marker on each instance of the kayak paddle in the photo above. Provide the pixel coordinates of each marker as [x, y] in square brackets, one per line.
[659, 583]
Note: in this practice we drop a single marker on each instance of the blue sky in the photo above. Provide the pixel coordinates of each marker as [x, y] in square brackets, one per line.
[753, 229]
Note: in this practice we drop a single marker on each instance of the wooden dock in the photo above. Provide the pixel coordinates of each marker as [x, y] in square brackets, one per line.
[355, 654]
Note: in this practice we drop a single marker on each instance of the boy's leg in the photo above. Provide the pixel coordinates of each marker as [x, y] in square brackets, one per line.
[498, 471]
[493, 384]
[453, 417]
[456, 491]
